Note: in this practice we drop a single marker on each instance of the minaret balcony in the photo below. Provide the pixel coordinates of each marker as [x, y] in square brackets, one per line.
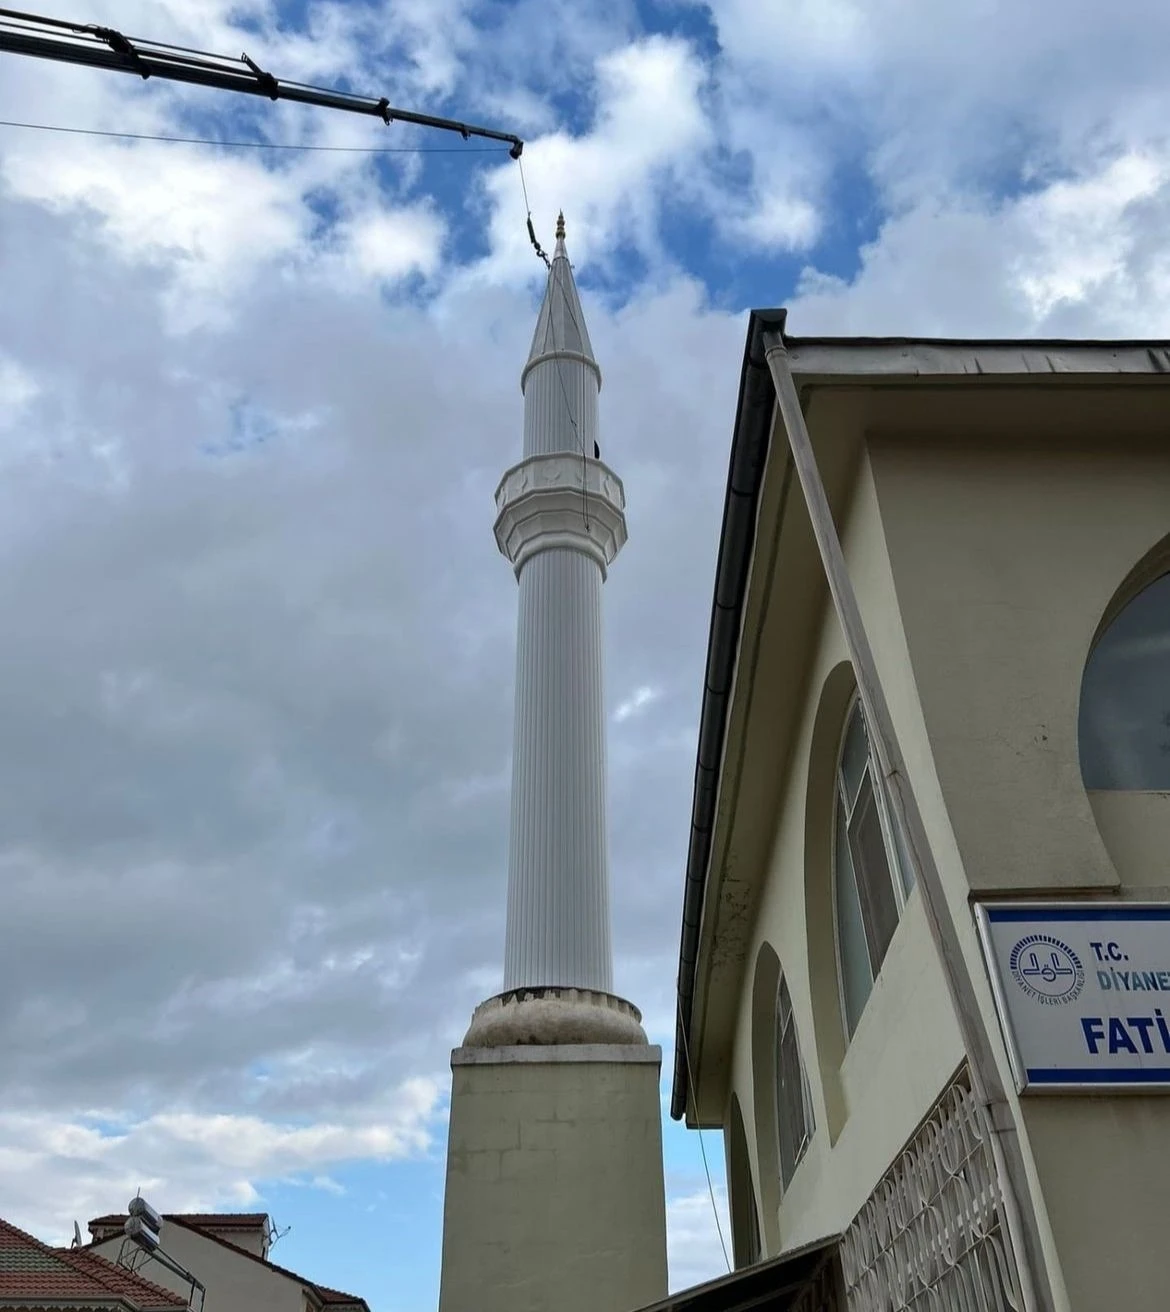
[563, 500]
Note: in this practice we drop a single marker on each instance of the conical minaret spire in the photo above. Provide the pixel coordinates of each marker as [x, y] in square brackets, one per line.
[561, 522]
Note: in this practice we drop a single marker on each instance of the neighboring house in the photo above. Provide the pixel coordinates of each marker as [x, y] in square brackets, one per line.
[227, 1252]
[1004, 514]
[35, 1277]
[249, 1231]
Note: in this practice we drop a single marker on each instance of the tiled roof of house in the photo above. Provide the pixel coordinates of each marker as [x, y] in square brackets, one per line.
[333, 1297]
[31, 1272]
[218, 1220]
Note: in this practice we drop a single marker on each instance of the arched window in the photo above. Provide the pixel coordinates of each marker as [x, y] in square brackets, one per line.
[794, 1115]
[1125, 698]
[871, 876]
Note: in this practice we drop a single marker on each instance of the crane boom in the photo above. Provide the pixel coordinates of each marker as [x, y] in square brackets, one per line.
[103, 47]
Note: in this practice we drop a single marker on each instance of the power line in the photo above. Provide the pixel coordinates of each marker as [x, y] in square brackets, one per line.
[262, 145]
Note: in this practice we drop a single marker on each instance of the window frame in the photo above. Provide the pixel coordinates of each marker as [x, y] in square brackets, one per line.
[1150, 574]
[893, 853]
[754, 1241]
[781, 1026]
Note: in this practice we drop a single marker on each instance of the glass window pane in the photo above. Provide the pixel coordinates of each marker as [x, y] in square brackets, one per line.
[856, 975]
[1125, 698]
[810, 1123]
[787, 1108]
[854, 754]
[794, 1126]
[902, 857]
[875, 887]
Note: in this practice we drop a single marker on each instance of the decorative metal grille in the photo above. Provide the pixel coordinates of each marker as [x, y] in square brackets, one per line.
[931, 1236]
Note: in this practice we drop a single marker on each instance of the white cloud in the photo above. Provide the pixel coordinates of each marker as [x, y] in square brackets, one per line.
[694, 1251]
[779, 221]
[1084, 232]
[805, 34]
[56, 1171]
[389, 244]
[1078, 257]
[648, 127]
[18, 388]
[209, 222]
[642, 696]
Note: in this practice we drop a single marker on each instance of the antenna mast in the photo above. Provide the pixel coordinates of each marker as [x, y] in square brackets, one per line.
[103, 47]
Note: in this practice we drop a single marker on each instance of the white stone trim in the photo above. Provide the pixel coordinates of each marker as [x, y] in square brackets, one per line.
[574, 357]
[611, 1054]
[554, 1016]
[560, 500]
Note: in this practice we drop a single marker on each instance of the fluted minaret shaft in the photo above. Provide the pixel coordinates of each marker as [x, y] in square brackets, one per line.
[561, 522]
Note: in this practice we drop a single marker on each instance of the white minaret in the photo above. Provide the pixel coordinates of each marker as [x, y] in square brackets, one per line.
[561, 523]
[554, 1194]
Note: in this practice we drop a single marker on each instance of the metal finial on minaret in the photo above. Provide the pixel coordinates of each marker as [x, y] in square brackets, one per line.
[561, 226]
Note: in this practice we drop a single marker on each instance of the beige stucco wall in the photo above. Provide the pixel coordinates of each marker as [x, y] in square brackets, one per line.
[554, 1192]
[1007, 555]
[981, 610]
[870, 1095]
[234, 1282]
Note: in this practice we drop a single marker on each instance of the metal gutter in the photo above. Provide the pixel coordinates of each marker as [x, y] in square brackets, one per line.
[749, 452]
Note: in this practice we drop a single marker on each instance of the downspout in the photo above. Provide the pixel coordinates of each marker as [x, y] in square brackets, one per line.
[999, 1117]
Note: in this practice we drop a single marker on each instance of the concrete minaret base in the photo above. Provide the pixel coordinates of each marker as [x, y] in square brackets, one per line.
[554, 1197]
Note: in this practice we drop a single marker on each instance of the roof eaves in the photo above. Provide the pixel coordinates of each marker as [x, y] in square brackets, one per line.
[749, 454]
[865, 359]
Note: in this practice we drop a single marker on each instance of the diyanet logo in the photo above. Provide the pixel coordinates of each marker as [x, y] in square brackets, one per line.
[1047, 969]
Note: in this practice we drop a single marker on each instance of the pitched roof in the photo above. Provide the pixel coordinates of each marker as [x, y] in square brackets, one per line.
[32, 1272]
[206, 1223]
[218, 1220]
[332, 1297]
[323, 1292]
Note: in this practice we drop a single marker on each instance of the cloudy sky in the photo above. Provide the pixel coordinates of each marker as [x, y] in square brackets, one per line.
[257, 644]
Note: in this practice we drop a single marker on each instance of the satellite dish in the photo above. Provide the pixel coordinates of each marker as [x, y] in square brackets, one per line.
[76, 1235]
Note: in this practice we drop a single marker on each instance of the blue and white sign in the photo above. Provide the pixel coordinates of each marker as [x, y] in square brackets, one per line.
[1083, 992]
